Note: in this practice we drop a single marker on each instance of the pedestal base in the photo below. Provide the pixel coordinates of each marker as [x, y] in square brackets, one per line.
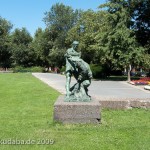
[76, 112]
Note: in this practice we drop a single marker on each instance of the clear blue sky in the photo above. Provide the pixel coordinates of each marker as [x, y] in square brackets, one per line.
[29, 13]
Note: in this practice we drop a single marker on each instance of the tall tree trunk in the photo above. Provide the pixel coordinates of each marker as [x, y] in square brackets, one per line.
[129, 70]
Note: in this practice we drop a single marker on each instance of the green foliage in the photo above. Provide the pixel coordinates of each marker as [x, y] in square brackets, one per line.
[63, 69]
[117, 43]
[59, 20]
[57, 57]
[117, 36]
[90, 22]
[5, 27]
[21, 36]
[146, 61]
[5, 43]
[22, 53]
[42, 45]
[28, 69]
[141, 24]
[97, 71]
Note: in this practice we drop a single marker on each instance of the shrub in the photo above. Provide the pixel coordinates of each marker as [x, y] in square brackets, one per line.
[148, 74]
[36, 69]
[63, 69]
[98, 71]
[28, 69]
[116, 72]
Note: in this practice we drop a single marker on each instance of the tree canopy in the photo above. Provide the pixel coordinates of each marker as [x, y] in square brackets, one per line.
[5, 44]
[116, 36]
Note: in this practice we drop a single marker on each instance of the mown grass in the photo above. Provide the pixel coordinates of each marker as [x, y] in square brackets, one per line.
[26, 113]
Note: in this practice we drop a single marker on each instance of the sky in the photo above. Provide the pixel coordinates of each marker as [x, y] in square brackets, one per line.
[30, 13]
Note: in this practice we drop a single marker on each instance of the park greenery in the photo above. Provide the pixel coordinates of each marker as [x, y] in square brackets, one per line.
[115, 38]
[27, 114]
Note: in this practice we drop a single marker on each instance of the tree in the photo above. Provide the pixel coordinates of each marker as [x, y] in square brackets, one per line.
[138, 11]
[85, 31]
[117, 41]
[141, 17]
[59, 20]
[22, 53]
[42, 44]
[141, 26]
[5, 43]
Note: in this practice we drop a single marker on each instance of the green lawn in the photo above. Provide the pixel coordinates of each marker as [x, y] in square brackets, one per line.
[26, 115]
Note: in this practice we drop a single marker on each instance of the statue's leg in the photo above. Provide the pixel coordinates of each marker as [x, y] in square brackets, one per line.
[68, 80]
[86, 84]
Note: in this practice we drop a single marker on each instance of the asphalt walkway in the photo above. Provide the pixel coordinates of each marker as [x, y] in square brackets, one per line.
[98, 89]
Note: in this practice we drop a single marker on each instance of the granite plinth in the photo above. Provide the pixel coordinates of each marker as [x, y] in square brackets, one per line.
[76, 112]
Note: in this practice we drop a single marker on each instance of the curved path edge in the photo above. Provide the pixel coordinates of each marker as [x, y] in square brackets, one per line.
[110, 94]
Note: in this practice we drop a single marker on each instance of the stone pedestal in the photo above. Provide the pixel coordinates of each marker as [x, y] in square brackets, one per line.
[76, 112]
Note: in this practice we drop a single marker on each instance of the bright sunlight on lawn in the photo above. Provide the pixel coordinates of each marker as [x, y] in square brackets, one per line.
[26, 114]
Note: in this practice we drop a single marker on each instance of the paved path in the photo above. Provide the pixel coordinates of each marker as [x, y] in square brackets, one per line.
[98, 89]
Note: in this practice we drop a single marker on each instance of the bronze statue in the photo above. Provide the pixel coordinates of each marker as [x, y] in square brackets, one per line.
[81, 71]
